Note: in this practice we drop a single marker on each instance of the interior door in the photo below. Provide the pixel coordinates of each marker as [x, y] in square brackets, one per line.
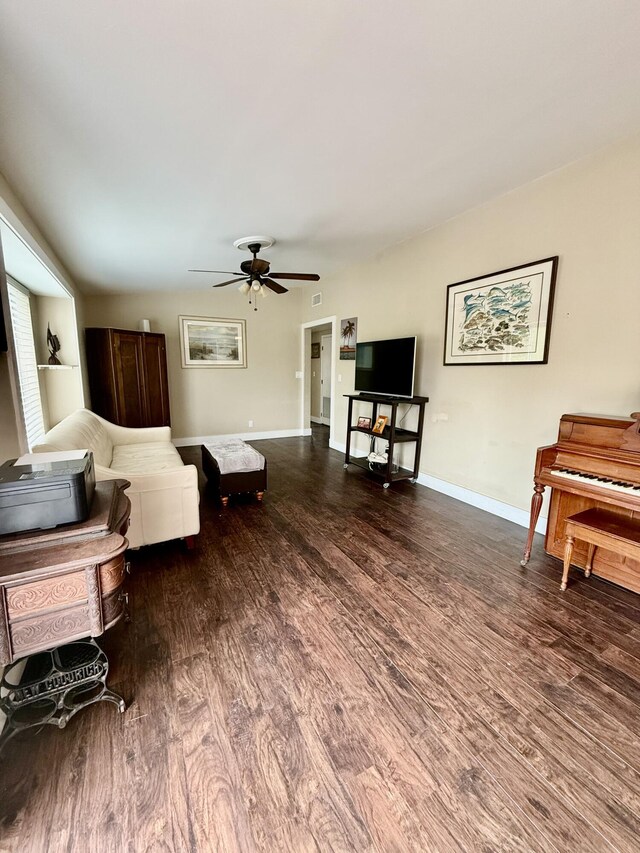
[130, 379]
[155, 362]
[325, 377]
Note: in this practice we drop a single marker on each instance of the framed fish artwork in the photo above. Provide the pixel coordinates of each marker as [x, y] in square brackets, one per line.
[503, 317]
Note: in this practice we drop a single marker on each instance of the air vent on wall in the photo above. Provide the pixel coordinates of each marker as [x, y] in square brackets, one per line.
[316, 300]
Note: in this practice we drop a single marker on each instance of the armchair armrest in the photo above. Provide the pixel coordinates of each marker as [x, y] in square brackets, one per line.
[164, 504]
[175, 478]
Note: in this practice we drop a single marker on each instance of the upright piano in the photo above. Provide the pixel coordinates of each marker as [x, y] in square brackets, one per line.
[594, 463]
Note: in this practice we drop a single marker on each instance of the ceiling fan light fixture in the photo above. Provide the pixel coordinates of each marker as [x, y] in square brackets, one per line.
[244, 288]
[263, 292]
[255, 284]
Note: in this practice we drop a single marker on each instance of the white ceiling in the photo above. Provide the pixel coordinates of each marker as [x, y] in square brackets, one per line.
[144, 136]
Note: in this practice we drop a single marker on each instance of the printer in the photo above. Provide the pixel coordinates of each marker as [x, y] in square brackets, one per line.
[41, 490]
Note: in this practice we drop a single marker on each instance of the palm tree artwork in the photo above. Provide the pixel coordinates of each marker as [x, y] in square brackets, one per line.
[348, 334]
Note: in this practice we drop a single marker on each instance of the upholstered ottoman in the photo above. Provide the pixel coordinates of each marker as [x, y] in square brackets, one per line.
[233, 467]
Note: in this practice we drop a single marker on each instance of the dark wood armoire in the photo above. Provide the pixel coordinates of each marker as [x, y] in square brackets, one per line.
[128, 377]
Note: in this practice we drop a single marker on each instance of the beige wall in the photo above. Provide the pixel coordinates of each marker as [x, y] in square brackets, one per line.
[9, 446]
[589, 215]
[217, 401]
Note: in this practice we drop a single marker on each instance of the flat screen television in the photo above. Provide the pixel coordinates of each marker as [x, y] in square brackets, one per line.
[386, 367]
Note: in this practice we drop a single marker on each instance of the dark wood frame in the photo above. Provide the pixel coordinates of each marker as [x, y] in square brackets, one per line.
[552, 286]
[315, 349]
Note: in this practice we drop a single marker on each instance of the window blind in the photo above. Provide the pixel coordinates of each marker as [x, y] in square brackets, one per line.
[27, 364]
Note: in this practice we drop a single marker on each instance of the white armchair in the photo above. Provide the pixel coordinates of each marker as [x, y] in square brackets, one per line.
[163, 492]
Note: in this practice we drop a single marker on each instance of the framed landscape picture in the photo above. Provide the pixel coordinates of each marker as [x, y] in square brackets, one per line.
[213, 342]
[349, 334]
[501, 318]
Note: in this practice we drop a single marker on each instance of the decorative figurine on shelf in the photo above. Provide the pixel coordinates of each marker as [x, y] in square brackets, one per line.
[54, 346]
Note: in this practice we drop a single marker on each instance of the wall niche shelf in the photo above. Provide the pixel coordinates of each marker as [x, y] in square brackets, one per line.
[56, 366]
[392, 434]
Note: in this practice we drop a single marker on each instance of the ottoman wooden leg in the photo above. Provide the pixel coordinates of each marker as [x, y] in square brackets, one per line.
[568, 553]
[224, 499]
[259, 495]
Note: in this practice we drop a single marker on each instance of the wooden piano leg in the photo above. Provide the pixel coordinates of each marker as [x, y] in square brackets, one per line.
[536, 505]
[589, 565]
[568, 553]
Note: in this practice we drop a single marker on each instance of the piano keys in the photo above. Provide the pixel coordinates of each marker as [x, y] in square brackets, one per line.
[595, 463]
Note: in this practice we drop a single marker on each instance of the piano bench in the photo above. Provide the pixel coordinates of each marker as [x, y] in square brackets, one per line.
[600, 528]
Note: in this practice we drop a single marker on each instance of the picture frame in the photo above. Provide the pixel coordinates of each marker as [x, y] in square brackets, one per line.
[364, 423]
[213, 342]
[315, 350]
[349, 337]
[380, 424]
[503, 317]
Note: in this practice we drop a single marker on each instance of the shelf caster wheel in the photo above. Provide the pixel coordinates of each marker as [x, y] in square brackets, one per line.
[413, 480]
[345, 466]
[386, 485]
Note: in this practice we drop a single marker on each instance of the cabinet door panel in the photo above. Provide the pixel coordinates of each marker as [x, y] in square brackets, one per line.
[102, 374]
[130, 379]
[155, 358]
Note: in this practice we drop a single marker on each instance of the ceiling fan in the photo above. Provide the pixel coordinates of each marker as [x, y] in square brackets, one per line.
[255, 274]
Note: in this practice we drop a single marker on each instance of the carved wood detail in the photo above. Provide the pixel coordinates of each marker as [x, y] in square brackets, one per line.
[95, 604]
[47, 630]
[113, 607]
[5, 648]
[43, 594]
[112, 575]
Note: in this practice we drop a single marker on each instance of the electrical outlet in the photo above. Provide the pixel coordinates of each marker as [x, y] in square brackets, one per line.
[250, 423]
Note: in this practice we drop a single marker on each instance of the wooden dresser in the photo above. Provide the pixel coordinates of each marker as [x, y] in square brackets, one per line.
[128, 377]
[66, 583]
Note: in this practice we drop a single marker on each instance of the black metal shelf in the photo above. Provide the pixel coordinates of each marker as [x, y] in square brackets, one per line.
[400, 474]
[400, 435]
[391, 434]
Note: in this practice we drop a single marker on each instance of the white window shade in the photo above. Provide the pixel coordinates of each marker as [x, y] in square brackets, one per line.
[26, 363]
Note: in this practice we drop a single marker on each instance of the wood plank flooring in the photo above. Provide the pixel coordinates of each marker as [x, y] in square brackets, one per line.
[345, 668]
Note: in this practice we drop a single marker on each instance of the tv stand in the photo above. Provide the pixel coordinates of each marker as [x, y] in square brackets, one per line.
[392, 434]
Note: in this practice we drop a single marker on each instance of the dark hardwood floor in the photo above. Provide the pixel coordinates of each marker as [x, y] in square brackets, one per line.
[347, 668]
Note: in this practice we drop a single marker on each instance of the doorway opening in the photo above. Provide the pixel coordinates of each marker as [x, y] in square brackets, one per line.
[319, 365]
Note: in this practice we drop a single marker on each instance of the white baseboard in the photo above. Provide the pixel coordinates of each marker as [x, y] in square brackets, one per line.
[245, 436]
[495, 507]
[315, 420]
[467, 496]
[342, 448]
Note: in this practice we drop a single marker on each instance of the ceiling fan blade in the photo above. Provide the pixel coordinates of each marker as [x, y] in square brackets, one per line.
[232, 281]
[299, 276]
[273, 285]
[222, 272]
